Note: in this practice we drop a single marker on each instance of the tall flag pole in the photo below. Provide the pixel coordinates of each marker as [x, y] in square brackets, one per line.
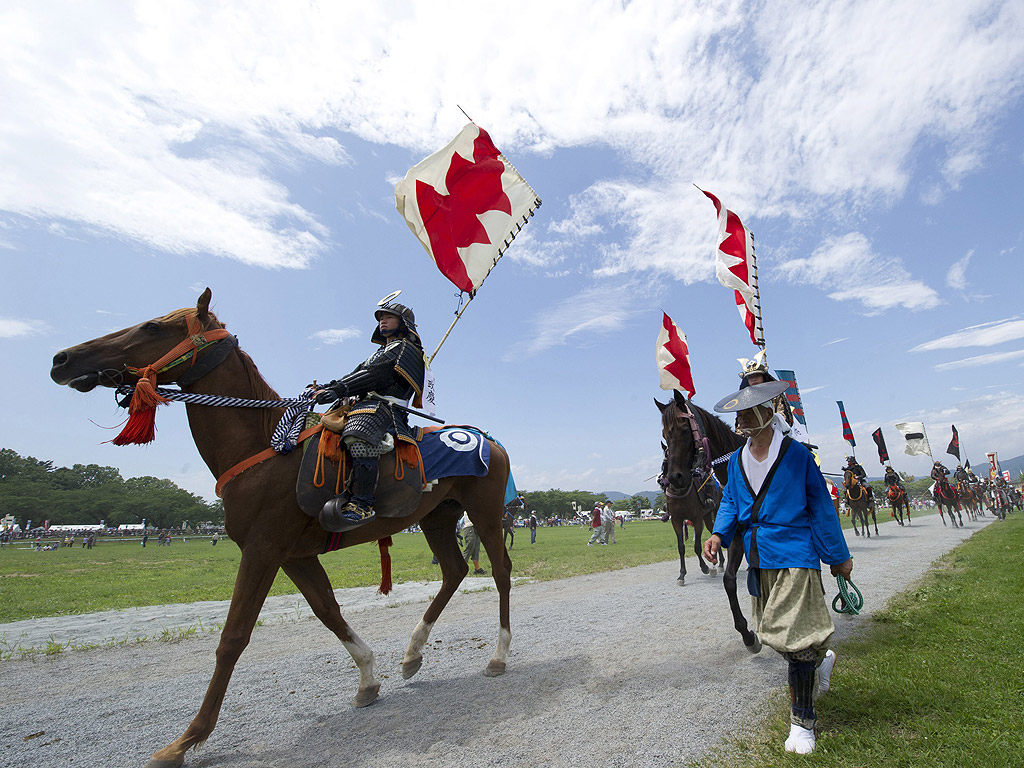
[465, 203]
[736, 268]
[883, 453]
[847, 432]
[673, 358]
[917, 439]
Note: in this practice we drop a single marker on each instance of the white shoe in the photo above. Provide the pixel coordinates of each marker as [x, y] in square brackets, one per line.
[824, 674]
[801, 740]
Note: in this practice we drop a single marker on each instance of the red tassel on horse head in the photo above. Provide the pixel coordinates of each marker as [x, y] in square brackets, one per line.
[141, 426]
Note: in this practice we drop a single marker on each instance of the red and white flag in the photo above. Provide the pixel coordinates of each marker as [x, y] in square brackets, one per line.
[674, 358]
[734, 261]
[465, 204]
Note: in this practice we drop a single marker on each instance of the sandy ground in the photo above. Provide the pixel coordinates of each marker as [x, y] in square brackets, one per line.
[613, 669]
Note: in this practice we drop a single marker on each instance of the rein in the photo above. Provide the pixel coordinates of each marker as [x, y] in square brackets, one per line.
[143, 398]
[845, 601]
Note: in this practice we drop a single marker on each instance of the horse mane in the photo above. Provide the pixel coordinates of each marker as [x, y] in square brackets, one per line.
[259, 387]
[718, 431]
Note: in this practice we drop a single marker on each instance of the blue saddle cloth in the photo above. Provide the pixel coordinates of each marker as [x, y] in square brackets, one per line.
[459, 451]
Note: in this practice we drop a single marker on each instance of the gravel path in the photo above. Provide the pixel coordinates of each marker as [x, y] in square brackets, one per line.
[612, 669]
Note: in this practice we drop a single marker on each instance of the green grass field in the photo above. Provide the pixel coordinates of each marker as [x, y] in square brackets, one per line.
[124, 574]
[933, 681]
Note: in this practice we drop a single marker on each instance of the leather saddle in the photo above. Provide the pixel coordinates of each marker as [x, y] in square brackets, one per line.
[399, 482]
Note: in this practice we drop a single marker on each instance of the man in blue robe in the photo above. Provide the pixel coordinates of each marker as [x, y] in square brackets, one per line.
[776, 498]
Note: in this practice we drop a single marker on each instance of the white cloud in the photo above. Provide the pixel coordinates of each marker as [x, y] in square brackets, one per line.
[983, 335]
[162, 124]
[835, 341]
[973, 362]
[593, 312]
[336, 335]
[850, 269]
[957, 275]
[11, 328]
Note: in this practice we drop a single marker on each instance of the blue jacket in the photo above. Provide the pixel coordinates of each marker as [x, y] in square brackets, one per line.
[796, 525]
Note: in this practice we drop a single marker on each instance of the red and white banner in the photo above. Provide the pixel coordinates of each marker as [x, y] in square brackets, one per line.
[674, 358]
[734, 262]
[465, 204]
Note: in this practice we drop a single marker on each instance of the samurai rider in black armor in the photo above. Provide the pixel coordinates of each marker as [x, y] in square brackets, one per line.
[858, 471]
[391, 375]
[892, 477]
[960, 474]
[939, 472]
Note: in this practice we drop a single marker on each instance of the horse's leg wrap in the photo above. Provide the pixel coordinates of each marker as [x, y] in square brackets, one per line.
[801, 687]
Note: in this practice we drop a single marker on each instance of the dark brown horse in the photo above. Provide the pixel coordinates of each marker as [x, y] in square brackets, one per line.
[684, 427]
[946, 498]
[899, 502]
[859, 501]
[262, 515]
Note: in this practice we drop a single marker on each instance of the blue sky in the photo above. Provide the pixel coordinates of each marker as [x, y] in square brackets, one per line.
[873, 148]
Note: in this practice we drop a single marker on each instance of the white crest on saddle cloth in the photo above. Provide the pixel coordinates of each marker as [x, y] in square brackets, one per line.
[460, 439]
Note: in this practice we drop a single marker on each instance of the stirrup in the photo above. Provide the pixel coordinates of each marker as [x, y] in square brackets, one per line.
[340, 514]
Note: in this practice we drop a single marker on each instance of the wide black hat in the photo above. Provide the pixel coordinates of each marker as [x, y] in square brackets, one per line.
[748, 397]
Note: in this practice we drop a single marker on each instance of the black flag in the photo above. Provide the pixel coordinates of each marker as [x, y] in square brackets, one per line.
[954, 445]
[883, 454]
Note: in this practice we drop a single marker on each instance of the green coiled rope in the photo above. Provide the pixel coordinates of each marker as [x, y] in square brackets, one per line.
[847, 601]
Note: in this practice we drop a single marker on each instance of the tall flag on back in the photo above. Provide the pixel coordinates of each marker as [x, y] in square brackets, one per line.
[734, 264]
[954, 444]
[673, 358]
[465, 204]
[847, 432]
[993, 464]
[792, 395]
[917, 440]
[883, 454]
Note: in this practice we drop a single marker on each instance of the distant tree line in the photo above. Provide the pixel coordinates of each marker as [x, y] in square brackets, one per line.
[558, 503]
[32, 489]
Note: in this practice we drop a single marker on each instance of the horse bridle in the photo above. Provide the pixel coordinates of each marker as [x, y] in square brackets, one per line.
[701, 458]
[196, 340]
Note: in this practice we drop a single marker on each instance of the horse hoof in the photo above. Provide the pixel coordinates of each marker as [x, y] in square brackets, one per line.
[410, 668]
[754, 647]
[681, 581]
[366, 696]
[154, 763]
[494, 668]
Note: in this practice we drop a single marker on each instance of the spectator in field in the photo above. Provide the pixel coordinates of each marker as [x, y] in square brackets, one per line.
[608, 522]
[472, 549]
[533, 527]
[215, 539]
[595, 525]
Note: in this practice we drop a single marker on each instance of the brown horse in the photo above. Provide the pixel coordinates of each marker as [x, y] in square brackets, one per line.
[859, 502]
[262, 515]
[899, 502]
[683, 428]
[946, 498]
[968, 500]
